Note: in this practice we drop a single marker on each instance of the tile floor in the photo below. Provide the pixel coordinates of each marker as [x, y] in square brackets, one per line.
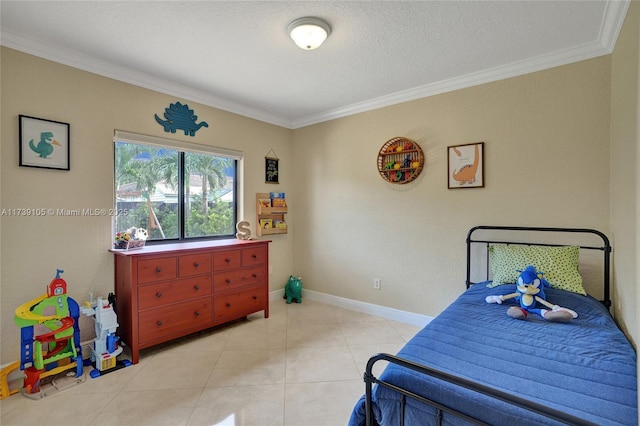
[302, 366]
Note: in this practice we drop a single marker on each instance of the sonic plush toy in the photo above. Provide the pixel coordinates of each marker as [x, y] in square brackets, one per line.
[530, 289]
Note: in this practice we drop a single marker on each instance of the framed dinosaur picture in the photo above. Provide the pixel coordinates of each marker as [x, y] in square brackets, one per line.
[466, 165]
[44, 143]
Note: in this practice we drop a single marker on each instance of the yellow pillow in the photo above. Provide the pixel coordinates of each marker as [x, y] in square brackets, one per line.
[559, 265]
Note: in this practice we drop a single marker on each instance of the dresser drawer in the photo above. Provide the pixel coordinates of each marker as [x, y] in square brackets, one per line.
[174, 319]
[223, 281]
[157, 269]
[253, 256]
[156, 295]
[227, 260]
[194, 264]
[235, 305]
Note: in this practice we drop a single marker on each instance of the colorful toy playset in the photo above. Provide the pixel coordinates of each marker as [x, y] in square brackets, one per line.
[50, 352]
[50, 349]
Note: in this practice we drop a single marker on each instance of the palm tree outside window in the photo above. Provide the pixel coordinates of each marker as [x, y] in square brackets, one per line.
[174, 194]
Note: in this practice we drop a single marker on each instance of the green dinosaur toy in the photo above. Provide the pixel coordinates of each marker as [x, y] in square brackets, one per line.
[293, 290]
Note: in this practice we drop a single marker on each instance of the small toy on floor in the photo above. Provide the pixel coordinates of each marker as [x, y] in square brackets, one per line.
[530, 291]
[105, 349]
[293, 290]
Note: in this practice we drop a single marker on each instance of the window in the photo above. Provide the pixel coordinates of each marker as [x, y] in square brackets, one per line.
[176, 191]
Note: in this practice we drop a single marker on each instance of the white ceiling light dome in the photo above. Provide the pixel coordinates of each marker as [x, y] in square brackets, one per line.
[309, 32]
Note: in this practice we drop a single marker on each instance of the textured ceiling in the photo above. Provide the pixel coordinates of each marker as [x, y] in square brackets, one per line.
[237, 56]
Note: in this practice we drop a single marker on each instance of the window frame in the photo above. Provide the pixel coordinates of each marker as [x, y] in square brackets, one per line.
[183, 148]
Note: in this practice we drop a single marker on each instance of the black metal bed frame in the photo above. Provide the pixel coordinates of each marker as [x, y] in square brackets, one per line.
[551, 413]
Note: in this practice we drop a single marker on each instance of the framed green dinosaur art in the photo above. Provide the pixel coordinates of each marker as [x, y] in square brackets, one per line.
[44, 143]
[466, 165]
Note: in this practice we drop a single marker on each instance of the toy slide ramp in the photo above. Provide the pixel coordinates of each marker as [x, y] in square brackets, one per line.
[25, 316]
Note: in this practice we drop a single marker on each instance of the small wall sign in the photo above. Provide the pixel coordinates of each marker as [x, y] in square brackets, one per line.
[271, 168]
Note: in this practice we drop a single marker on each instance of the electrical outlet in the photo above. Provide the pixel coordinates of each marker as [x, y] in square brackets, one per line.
[377, 283]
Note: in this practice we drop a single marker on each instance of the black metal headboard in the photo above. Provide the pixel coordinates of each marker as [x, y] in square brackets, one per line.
[605, 248]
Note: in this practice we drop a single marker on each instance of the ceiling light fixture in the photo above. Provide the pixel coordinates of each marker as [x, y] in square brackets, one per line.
[309, 33]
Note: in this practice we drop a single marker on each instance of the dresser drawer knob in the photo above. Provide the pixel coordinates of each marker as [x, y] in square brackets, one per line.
[227, 260]
[197, 313]
[255, 297]
[196, 264]
[158, 295]
[159, 323]
[197, 287]
[254, 256]
[228, 281]
[158, 269]
[254, 275]
[228, 305]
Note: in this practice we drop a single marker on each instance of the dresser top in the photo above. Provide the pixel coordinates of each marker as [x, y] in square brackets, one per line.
[191, 245]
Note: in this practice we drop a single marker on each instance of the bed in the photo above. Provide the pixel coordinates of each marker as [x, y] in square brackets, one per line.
[473, 364]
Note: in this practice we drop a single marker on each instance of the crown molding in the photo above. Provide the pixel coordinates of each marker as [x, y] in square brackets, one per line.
[89, 63]
[612, 22]
[514, 69]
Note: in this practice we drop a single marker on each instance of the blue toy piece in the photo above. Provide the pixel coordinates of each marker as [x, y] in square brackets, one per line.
[407, 162]
[293, 290]
[530, 292]
[179, 116]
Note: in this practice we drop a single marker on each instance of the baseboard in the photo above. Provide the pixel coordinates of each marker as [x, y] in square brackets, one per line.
[364, 307]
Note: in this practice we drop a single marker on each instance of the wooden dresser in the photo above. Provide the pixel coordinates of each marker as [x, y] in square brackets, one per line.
[167, 291]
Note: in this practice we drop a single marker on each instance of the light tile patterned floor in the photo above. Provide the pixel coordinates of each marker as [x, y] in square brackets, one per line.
[303, 366]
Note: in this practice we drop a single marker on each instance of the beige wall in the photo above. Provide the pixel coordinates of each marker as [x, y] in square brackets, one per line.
[546, 140]
[33, 247]
[625, 183]
[548, 162]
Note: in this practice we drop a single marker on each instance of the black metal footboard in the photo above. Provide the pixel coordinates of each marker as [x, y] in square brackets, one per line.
[370, 380]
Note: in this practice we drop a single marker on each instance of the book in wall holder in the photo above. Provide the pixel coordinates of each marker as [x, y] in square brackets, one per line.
[400, 160]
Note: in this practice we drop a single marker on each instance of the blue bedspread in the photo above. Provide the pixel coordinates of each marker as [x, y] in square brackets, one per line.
[586, 368]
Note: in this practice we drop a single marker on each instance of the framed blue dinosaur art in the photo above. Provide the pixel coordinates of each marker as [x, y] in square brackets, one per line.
[179, 116]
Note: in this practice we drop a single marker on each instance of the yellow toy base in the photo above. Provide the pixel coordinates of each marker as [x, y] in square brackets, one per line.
[11, 379]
